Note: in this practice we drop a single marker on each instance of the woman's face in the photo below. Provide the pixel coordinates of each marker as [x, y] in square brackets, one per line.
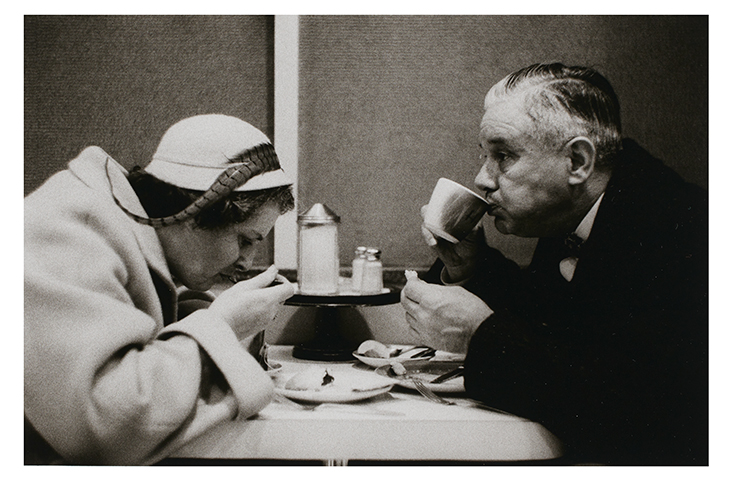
[199, 258]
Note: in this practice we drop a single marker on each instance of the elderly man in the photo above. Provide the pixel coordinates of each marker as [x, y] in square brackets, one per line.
[603, 337]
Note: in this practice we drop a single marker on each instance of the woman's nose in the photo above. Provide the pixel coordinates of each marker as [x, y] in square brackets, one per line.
[484, 179]
[245, 258]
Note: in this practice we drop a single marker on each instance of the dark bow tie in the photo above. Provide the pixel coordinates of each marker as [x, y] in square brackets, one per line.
[573, 244]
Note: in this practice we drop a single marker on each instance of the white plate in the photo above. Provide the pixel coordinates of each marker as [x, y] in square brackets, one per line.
[404, 356]
[426, 372]
[378, 362]
[334, 395]
[348, 386]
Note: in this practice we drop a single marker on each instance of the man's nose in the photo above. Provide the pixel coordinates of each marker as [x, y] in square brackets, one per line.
[484, 179]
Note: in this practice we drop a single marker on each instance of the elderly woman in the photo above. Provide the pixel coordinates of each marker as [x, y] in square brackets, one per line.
[114, 372]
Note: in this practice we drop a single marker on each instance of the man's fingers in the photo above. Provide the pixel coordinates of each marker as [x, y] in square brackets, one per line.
[406, 300]
[411, 309]
[408, 304]
[412, 323]
[417, 290]
[428, 237]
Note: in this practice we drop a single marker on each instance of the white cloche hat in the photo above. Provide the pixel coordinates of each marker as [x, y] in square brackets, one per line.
[195, 151]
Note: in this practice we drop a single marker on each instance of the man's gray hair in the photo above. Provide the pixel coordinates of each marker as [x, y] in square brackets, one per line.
[566, 102]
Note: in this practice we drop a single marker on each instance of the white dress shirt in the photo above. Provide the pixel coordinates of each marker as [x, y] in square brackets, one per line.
[567, 265]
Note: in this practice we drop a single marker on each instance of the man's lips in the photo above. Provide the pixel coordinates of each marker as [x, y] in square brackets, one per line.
[491, 207]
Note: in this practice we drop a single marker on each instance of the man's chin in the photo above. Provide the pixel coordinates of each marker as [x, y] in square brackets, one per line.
[502, 226]
[507, 229]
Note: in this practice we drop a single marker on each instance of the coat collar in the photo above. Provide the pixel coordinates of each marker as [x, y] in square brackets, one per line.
[100, 171]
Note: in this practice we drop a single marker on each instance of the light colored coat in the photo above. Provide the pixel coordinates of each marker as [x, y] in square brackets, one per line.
[110, 377]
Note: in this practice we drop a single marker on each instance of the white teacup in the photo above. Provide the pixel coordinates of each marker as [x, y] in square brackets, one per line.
[453, 211]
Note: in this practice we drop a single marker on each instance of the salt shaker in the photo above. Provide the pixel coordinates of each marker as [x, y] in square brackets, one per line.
[372, 275]
[319, 260]
[358, 265]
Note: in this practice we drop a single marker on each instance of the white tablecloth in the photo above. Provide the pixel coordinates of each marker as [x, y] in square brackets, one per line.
[400, 425]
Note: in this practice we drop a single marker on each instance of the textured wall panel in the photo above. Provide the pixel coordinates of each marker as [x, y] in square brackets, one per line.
[120, 81]
[390, 103]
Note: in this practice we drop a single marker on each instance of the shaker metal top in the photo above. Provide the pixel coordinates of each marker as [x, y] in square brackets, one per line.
[318, 214]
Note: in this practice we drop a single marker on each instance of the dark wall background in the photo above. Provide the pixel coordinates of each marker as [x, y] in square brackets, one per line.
[387, 104]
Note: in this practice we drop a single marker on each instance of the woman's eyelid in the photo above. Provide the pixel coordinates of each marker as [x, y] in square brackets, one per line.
[246, 239]
[243, 241]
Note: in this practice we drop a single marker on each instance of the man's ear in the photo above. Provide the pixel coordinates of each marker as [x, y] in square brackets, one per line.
[582, 155]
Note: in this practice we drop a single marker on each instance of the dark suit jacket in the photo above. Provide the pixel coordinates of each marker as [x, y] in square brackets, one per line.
[614, 362]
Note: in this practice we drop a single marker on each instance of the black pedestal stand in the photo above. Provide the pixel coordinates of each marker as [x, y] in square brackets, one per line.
[328, 343]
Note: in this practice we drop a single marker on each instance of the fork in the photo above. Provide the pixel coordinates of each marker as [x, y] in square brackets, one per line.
[428, 393]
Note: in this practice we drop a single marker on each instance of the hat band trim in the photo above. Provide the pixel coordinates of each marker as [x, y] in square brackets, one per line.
[259, 159]
[187, 164]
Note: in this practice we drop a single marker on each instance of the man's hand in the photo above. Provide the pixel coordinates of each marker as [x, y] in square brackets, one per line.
[459, 258]
[249, 306]
[443, 317]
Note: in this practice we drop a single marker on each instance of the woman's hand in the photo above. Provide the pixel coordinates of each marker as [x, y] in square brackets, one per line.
[189, 301]
[442, 317]
[458, 258]
[249, 306]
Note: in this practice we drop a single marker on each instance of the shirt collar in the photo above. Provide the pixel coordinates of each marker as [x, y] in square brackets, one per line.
[584, 228]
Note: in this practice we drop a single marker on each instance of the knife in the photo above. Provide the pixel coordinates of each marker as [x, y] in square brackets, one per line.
[426, 352]
[448, 375]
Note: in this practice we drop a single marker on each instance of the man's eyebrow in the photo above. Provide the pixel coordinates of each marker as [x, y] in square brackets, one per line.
[496, 140]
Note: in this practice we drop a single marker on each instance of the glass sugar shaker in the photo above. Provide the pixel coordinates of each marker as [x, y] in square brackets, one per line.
[319, 261]
[358, 265]
[372, 276]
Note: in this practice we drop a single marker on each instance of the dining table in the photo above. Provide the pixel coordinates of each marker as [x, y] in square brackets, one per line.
[395, 426]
